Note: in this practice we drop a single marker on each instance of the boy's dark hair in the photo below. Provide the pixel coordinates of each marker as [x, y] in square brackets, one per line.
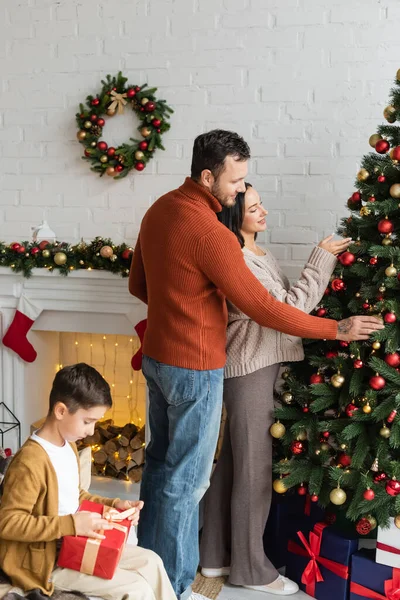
[80, 386]
[210, 150]
[232, 216]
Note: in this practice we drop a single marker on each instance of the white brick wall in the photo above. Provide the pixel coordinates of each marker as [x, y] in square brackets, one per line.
[305, 82]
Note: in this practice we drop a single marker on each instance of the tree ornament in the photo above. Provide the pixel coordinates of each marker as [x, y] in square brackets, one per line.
[380, 477]
[367, 408]
[377, 382]
[305, 408]
[387, 241]
[297, 447]
[381, 179]
[344, 460]
[60, 258]
[150, 106]
[363, 526]
[302, 490]
[369, 494]
[106, 252]
[325, 447]
[331, 354]
[35, 251]
[395, 153]
[371, 199]
[46, 253]
[145, 132]
[376, 345]
[104, 158]
[81, 135]
[394, 190]
[139, 166]
[358, 363]
[321, 312]
[139, 155]
[110, 171]
[393, 360]
[111, 151]
[351, 409]
[277, 430]
[375, 137]
[385, 226]
[375, 466]
[382, 146]
[362, 175]
[127, 253]
[302, 435]
[391, 416]
[346, 259]
[390, 114]
[389, 317]
[364, 212]
[287, 397]
[373, 260]
[317, 378]
[314, 498]
[325, 434]
[102, 146]
[392, 487]
[337, 380]
[338, 285]
[279, 486]
[338, 496]
[397, 521]
[384, 432]
[119, 168]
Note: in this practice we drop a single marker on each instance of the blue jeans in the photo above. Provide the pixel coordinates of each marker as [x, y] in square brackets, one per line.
[184, 418]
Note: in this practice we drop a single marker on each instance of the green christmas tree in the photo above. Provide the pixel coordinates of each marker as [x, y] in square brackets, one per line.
[338, 426]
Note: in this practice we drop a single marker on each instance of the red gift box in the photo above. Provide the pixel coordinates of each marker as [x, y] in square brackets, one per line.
[93, 556]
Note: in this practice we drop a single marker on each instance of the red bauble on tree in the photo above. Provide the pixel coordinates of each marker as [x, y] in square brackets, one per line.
[395, 153]
[351, 409]
[331, 354]
[344, 460]
[371, 199]
[297, 447]
[389, 317]
[373, 260]
[382, 146]
[377, 382]
[385, 226]
[391, 416]
[343, 344]
[34, 251]
[15, 246]
[95, 102]
[380, 477]
[369, 494]
[321, 312]
[358, 363]
[366, 306]
[93, 118]
[21, 249]
[111, 151]
[302, 490]
[314, 498]
[392, 487]
[305, 409]
[325, 434]
[118, 168]
[317, 378]
[338, 285]
[347, 259]
[363, 526]
[381, 179]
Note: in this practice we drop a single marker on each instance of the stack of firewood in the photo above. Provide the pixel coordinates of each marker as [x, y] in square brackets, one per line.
[116, 451]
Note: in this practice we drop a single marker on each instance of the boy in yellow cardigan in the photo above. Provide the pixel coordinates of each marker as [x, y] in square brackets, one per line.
[42, 494]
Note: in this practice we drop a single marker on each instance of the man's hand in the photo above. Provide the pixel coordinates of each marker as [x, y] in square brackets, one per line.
[88, 524]
[334, 246]
[357, 328]
[126, 504]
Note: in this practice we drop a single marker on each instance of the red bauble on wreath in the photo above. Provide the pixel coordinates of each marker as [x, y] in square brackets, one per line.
[115, 95]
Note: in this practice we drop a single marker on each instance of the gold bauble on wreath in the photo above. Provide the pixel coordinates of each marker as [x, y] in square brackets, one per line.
[338, 496]
[60, 258]
[46, 253]
[106, 251]
[395, 190]
[375, 137]
[81, 135]
[397, 521]
[104, 158]
[279, 486]
[110, 171]
[277, 430]
[139, 155]
[145, 131]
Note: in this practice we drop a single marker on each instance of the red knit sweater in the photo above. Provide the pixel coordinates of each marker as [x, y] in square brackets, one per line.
[184, 265]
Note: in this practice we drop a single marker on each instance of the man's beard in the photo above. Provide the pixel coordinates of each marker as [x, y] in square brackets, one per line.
[223, 200]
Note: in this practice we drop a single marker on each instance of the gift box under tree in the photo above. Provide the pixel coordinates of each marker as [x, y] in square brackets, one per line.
[93, 556]
[388, 544]
[319, 562]
[372, 580]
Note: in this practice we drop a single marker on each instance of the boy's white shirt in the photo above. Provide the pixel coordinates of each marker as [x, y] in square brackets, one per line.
[64, 462]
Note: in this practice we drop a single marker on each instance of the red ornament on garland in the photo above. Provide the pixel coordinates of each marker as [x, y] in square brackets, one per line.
[392, 487]
[391, 416]
[102, 146]
[15, 246]
[93, 118]
[302, 490]
[101, 122]
[338, 285]
[126, 253]
[111, 151]
[382, 146]
[21, 249]
[317, 378]
[377, 382]
[156, 122]
[346, 259]
[87, 153]
[363, 526]
[139, 166]
[385, 226]
[351, 409]
[297, 447]
[150, 106]
[321, 312]
[389, 317]
[118, 168]
[373, 260]
[35, 251]
[143, 145]
[369, 494]
[43, 244]
[381, 179]
[131, 93]
[358, 363]
[393, 360]
[95, 102]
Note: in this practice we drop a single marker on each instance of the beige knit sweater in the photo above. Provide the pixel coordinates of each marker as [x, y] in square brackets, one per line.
[251, 347]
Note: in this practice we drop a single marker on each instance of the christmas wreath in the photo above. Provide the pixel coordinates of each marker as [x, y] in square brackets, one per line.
[100, 254]
[116, 94]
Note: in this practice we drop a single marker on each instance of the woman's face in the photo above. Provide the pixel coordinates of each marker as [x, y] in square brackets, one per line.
[254, 213]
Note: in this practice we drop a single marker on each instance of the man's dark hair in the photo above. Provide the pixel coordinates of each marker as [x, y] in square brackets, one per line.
[210, 150]
[232, 216]
[80, 386]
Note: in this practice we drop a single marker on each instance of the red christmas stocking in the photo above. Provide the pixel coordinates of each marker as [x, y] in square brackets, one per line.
[136, 361]
[15, 337]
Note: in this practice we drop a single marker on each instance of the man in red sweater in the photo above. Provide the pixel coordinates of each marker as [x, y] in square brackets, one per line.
[184, 265]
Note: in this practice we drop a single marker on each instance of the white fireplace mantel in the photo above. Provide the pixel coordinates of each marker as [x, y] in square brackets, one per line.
[84, 301]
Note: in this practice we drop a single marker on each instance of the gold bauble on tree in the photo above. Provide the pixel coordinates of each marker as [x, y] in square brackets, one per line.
[302, 435]
[337, 380]
[384, 432]
[338, 496]
[375, 137]
[279, 486]
[397, 521]
[285, 374]
[362, 175]
[287, 397]
[390, 114]
[376, 345]
[391, 271]
[387, 241]
[367, 408]
[373, 522]
[81, 135]
[60, 258]
[277, 430]
[395, 190]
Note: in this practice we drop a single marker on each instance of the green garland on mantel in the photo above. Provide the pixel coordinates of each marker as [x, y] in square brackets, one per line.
[100, 254]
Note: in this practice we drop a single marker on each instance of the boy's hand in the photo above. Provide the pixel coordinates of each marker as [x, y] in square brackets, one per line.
[88, 524]
[126, 504]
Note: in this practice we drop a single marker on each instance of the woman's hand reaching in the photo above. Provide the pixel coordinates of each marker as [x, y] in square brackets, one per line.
[334, 246]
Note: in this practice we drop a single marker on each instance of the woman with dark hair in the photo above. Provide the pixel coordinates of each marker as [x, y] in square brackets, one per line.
[238, 500]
